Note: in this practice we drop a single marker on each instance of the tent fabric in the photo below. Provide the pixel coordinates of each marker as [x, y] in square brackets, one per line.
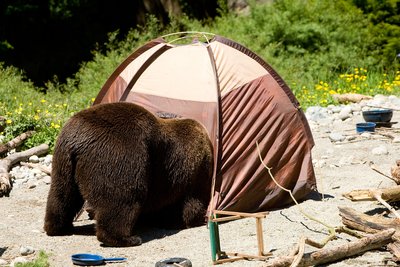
[241, 101]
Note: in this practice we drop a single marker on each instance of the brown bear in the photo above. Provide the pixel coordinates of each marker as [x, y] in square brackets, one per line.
[124, 161]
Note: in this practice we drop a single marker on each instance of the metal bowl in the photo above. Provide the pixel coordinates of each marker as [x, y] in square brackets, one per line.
[378, 115]
[365, 127]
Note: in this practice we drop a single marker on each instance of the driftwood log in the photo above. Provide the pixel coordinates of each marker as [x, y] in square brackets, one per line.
[390, 194]
[9, 161]
[15, 142]
[372, 224]
[339, 252]
[355, 98]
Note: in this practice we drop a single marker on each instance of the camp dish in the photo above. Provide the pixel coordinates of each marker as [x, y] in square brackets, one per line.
[378, 115]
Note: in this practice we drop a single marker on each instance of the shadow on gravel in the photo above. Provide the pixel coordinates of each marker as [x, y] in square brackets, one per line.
[2, 250]
[146, 233]
[314, 195]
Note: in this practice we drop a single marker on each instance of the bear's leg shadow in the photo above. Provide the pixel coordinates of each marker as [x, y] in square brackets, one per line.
[64, 199]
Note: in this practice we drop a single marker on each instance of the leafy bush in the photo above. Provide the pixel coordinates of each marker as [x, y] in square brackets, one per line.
[26, 108]
[385, 27]
[319, 48]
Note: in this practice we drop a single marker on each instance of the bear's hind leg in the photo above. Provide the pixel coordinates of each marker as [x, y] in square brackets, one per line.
[64, 200]
[114, 225]
[61, 210]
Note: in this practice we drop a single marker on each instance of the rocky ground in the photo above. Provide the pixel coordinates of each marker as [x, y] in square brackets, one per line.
[342, 163]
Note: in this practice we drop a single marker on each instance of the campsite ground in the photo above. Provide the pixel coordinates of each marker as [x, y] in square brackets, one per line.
[339, 169]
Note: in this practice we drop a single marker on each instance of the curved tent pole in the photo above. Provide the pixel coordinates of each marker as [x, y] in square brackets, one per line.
[192, 33]
[144, 66]
[218, 149]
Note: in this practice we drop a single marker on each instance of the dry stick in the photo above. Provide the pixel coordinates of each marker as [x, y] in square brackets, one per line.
[339, 252]
[331, 229]
[372, 224]
[15, 142]
[374, 168]
[300, 252]
[37, 166]
[378, 196]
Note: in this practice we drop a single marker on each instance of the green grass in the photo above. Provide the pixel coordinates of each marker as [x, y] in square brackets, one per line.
[40, 261]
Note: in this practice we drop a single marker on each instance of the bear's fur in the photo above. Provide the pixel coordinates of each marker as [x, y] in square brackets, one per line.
[124, 162]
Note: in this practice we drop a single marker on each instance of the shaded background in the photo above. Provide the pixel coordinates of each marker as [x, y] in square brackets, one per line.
[51, 37]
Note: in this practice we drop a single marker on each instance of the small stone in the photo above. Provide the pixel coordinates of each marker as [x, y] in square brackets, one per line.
[18, 260]
[346, 161]
[336, 109]
[3, 262]
[336, 137]
[47, 179]
[396, 139]
[31, 184]
[24, 251]
[345, 113]
[34, 159]
[48, 159]
[366, 135]
[319, 163]
[394, 100]
[37, 173]
[380, 150]
[356, 107]
[350, 137]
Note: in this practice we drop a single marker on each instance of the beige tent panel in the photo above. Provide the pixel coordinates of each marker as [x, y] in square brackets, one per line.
[182, 72]
[235, 68]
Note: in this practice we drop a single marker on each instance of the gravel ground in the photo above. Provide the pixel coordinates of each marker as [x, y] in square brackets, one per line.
[340, 166]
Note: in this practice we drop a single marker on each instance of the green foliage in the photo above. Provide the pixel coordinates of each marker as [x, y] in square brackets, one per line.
[40, 261]
[319, 47]
[385, 27]
[26, 108]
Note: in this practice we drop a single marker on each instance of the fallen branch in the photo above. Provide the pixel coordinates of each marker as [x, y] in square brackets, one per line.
[355, 98]
[390, 194]
[339, 252]
[332, 230]
[378, 196]
[366, 223]
[298, 252]
[15, 142]
[374, 168]
[372, 224]
[9, 161]
[37, 166]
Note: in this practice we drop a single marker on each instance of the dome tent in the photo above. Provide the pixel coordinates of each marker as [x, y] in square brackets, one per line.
[240, 100]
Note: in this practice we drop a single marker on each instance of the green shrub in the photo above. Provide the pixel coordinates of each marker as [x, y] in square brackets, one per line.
[318, 47]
